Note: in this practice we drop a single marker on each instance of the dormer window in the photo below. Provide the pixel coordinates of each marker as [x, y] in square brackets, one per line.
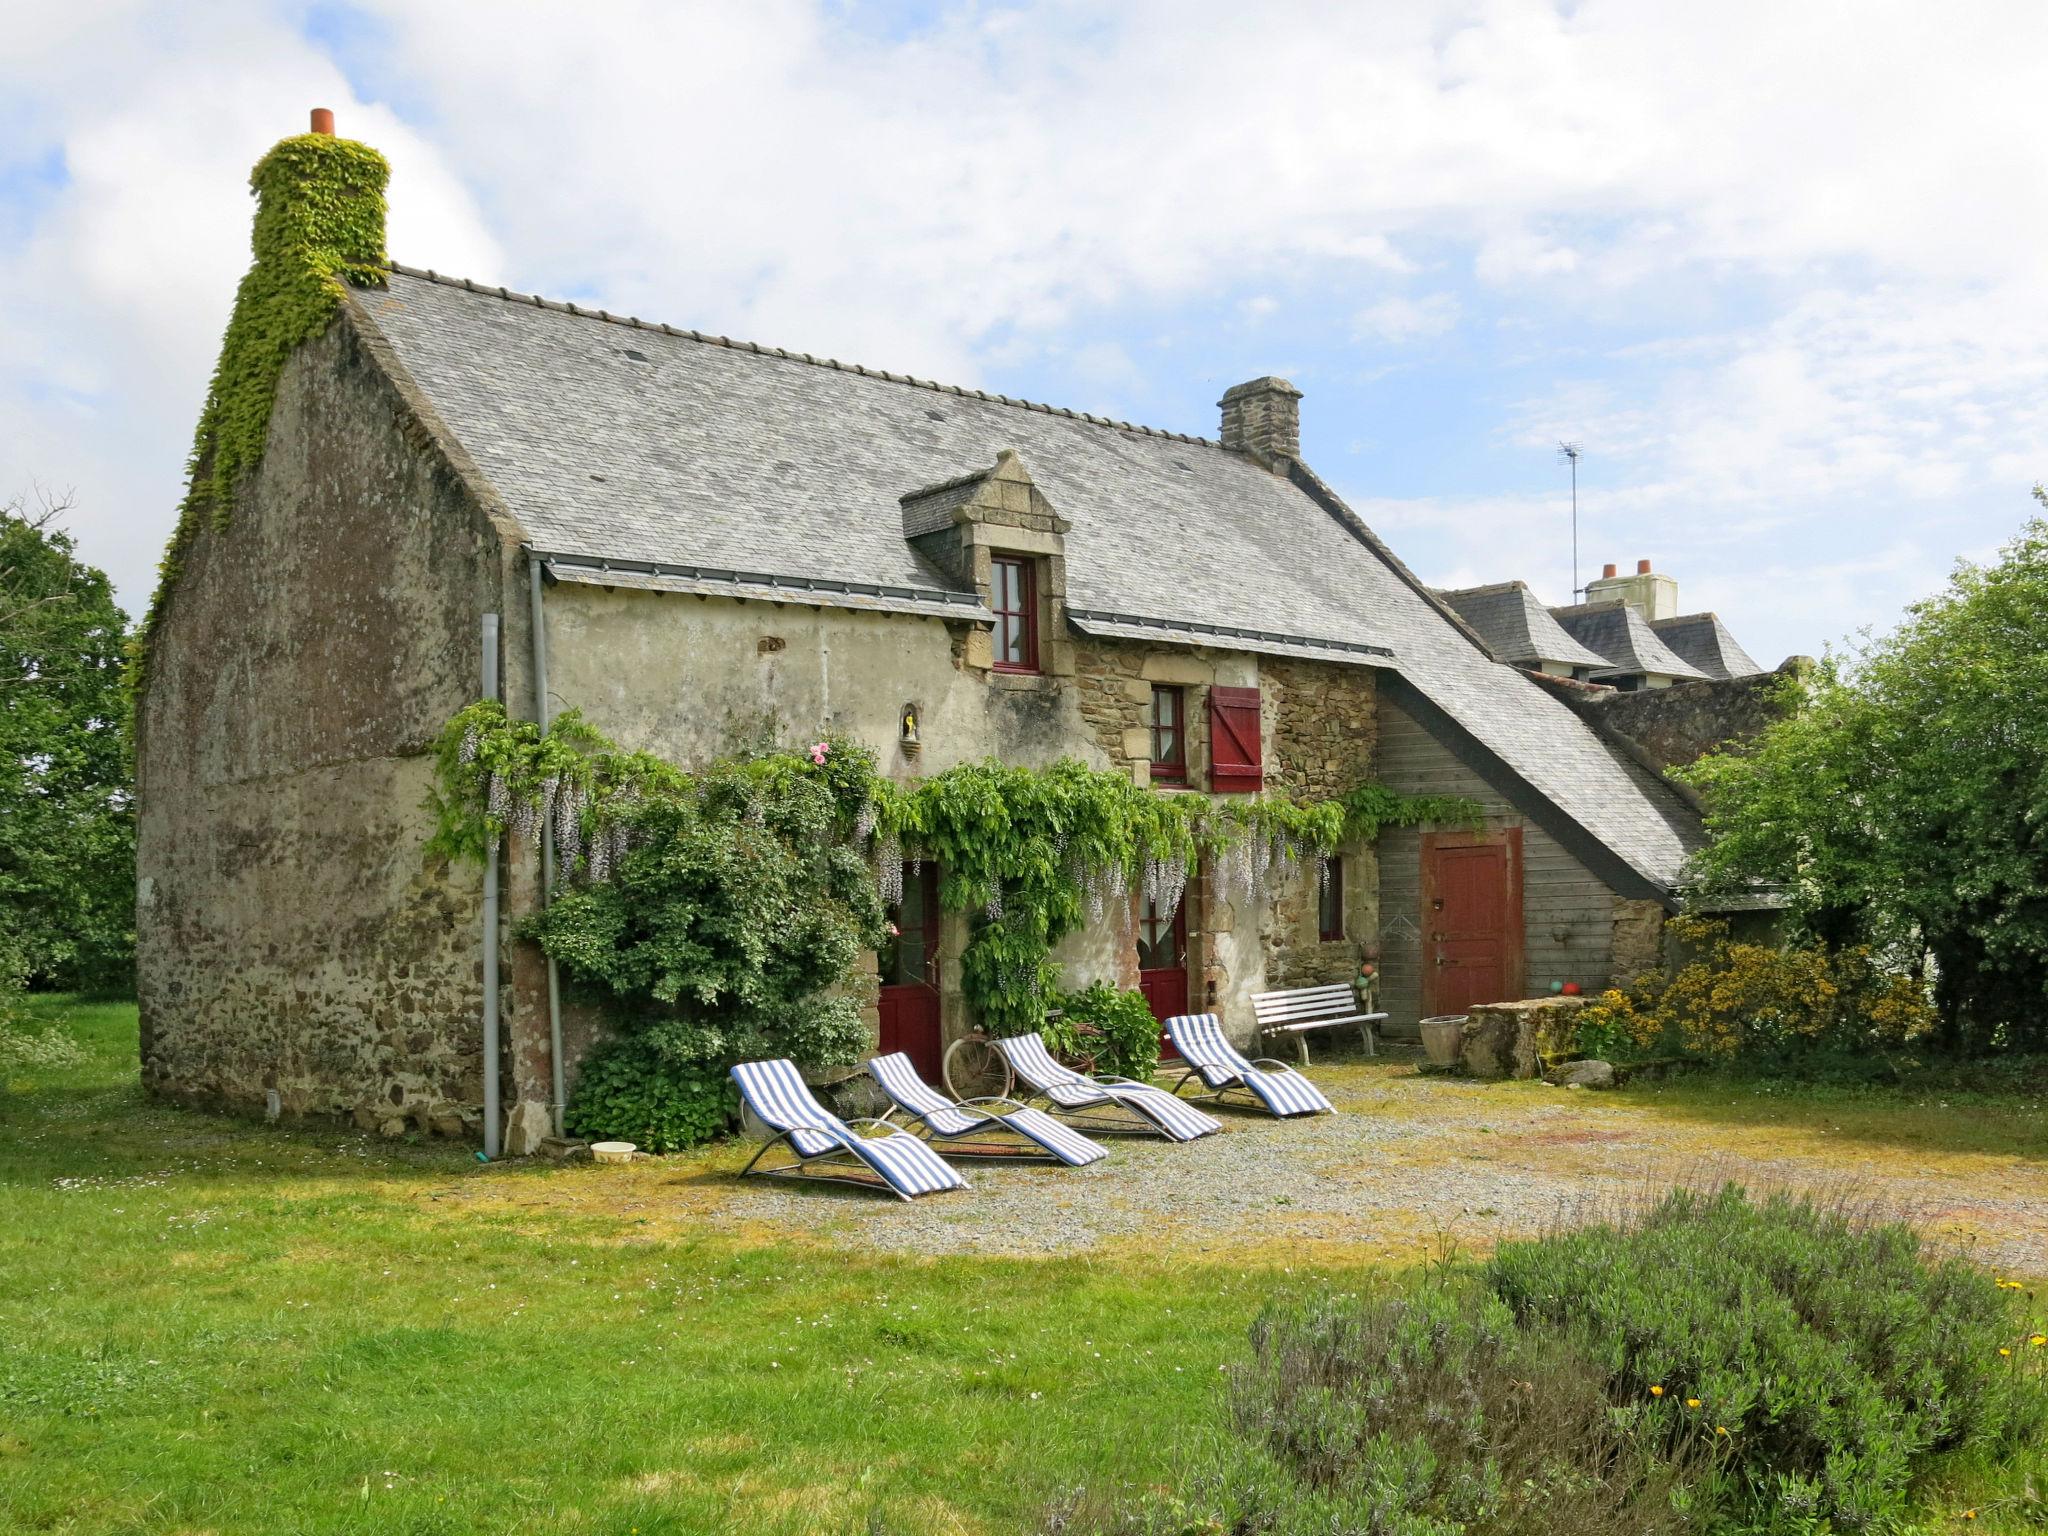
[1013, 598]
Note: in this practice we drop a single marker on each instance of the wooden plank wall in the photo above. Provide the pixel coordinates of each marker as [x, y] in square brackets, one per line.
[1567, 911]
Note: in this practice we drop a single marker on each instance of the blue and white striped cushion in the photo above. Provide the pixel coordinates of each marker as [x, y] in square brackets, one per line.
[1199, 1038]
[776, 1091]
[911, 1167]
[896, 1075]
[1030, 1060]
[1062, 1141]
[898, 1078]
[1177, 1117]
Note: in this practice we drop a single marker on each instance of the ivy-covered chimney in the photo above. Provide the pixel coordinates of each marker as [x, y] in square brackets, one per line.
[319, 227]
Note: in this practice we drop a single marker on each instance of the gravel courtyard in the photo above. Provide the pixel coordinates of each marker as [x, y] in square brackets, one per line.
[1409, 1166]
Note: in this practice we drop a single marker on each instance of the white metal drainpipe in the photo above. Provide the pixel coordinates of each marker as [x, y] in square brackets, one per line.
[493, 1128]
[547, 840]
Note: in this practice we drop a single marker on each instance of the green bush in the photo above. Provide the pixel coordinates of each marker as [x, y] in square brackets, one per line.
[1714, 1364]
[1129, 1042]
[1809, 1345]
[630, 1090]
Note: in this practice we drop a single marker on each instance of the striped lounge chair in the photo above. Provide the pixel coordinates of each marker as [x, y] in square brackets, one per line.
[980, 1127]
[1225, 1071]
[829, 1149]
[1121, 1106]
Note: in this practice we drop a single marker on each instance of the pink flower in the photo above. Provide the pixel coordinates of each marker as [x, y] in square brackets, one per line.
[895, 932]
[818, 751]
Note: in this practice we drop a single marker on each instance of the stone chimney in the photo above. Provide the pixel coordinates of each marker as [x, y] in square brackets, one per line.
[1263, 418]
[1651, 593]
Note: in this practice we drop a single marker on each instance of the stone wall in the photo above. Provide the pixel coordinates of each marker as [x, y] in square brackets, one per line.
[1638, 939]
[1322, 728]
[291, 938]
[1678, 725]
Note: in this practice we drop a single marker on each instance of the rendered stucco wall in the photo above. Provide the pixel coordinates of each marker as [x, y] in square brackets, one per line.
[694, 678]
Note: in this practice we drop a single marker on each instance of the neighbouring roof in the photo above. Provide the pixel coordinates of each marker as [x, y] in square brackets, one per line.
[1619, 632]
[1703, 640]
[635, 444]
[1519, 628]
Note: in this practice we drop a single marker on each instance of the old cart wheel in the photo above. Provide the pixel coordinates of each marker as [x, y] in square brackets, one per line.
[975, 1069]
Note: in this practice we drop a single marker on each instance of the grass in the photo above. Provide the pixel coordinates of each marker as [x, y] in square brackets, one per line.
[212, 1325]
[216, 1326]
[1875, 1119]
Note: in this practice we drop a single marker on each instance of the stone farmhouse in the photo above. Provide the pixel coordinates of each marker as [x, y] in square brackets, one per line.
[706, 543]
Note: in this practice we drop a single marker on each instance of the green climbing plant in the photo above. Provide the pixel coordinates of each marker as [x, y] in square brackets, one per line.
[723, 914]
[319, 226]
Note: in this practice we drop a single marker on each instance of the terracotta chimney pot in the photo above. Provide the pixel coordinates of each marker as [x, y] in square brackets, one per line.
[1642, 567]
[1607, 570]
[323, 121]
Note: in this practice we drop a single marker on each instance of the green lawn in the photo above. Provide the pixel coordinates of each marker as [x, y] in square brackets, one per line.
[213, 1326]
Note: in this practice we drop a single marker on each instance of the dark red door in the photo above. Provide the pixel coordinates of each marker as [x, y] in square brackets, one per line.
[1163, 963]
[909, 963]
[1471, 920]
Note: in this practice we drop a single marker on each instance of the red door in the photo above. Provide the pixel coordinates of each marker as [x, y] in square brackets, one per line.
[909, 963]
[1163, 963]
[1471, 919]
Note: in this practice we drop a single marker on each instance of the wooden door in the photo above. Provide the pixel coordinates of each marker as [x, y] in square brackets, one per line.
[1163, 963]
[909, 964]
[1471, 919]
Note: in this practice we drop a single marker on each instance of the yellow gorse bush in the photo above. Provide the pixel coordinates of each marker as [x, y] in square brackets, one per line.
[1738, 997]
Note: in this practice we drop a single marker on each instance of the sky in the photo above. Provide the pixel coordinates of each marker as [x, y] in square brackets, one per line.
[1778, 268]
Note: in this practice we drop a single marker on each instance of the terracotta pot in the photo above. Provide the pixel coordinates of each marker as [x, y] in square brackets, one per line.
[1443, 1038]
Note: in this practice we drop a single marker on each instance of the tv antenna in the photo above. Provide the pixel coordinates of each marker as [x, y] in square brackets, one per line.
[1569, 452]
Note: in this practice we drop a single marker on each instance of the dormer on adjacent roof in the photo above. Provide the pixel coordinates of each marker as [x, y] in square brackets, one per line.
[1703, 640]
[1519, 630]
[994, 530]
[1635, 657]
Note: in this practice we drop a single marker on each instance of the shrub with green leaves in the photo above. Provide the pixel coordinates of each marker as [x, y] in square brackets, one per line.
[1710, 1364]
[1815, 1346]
[630, 1089]
[1128, 1043]
[1757, 1005]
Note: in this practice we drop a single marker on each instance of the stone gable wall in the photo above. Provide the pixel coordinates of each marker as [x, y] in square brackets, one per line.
[1681, 724]
[291, 937]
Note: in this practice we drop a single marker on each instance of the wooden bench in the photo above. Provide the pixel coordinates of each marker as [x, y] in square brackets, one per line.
[1302, 1009]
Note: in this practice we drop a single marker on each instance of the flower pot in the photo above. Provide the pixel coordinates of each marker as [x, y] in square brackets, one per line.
[1443, 1038]
[612, 1151]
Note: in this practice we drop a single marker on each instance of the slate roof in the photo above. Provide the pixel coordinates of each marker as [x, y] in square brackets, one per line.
[1519, 629]
[1703, 640]
[1619, 632]
[639, 443]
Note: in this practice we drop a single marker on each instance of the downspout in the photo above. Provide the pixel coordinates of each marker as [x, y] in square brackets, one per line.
[493, 1119]
[558, 1093]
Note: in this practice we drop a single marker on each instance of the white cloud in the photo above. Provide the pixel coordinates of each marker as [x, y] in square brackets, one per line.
[995, 184]
[1399, 320]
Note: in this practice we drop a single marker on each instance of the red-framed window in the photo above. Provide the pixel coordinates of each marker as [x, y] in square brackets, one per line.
[1013, 597]
[1234, 756]
[1330, 902]
[1169, 721]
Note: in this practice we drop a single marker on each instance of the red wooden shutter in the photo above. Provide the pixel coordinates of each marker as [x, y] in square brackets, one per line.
[1234, 759]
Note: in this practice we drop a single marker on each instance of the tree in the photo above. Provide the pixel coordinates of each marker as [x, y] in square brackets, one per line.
[67, 827]
[1904, 803]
